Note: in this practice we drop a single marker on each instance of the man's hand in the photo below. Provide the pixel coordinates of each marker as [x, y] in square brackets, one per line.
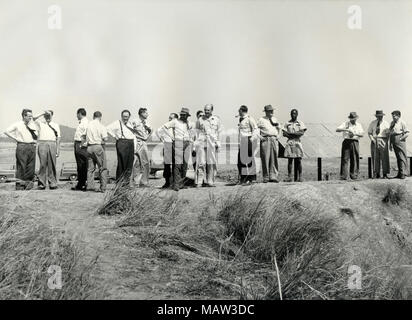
[351, 134]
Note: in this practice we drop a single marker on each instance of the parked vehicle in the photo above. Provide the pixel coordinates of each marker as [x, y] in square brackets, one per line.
[8, 173]
[69, 172]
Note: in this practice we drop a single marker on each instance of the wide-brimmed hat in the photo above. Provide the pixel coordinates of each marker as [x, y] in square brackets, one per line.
[185, 110]
[379, 113]
[268, 108]
[353, 115]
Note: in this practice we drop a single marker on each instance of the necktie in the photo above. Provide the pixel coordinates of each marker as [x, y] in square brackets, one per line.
[54, 130]
[378, 128]
[32, 132]
[273, 123]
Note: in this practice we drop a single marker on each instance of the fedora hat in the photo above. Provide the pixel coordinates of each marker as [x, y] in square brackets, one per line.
[379, 113]
[268, 108]
[185, 110]
[353, 115]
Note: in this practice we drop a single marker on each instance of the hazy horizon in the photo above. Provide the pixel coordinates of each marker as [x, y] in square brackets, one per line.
[111, 55]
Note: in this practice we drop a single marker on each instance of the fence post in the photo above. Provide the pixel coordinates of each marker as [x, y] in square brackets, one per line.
[410, 166]
[319, 169]
[369, 167]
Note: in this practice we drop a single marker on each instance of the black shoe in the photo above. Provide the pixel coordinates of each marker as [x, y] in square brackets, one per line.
[41, 187]
[53, 188]
[165, 186]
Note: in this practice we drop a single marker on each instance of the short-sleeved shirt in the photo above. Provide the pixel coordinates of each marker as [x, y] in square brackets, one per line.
[247, 127]
[21, 133]
[267, 128]
[81, 129]
[398, 127]
[141, 127]
[293, 127]
[208, 128]
[46, 132]
[181, 130]
[119, 130]
[354, 128]
[95, 132]
[383, 129]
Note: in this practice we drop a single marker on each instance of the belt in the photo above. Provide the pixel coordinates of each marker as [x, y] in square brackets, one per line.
[26, 143]
[46, 141]
[94, 144]
[121, 139]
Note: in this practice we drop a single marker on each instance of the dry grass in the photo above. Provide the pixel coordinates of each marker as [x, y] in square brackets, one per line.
[394, 195]
[28, 247]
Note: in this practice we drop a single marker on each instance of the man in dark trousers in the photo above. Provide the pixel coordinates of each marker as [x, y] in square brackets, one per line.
[352, 131]
[80, 150]
[398, 132]
[25, 134]
[122, 131]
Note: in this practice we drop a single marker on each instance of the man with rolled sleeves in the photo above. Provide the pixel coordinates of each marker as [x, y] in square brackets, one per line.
[80, 150]
[269, 132]
[142, 131]
[25, 134]
[96, 137]
[48, 150]
[378, 132]
[122, 131]
[352, 131]
[398, 132]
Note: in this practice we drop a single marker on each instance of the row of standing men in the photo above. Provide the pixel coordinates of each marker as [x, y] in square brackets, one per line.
[183, 139]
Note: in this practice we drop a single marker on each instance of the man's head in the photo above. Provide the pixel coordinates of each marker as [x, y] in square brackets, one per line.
[243, 111]
[379, 115]
[125, 116]
[173, 115]
[97, 115]
[396, 115]
[81, 113]
[27, 115]
[143, 113]
[200, 114]
[48, 115]
[184, 114]
[294, 114]
[353, 116]
[208, 110]
[268, 111]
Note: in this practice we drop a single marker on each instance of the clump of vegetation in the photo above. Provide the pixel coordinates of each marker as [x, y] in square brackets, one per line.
[394, 195]
[28, 248]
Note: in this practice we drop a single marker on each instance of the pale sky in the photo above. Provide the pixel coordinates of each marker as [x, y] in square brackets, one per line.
[163, 55]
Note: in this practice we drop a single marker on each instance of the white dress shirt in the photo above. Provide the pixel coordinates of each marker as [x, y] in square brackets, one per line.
[118, 130]
[354, 128]
[81, 129]
[20, 132]
[96, 132]
[384, 129]
[46, 133]
[180, 129]
[266, 127]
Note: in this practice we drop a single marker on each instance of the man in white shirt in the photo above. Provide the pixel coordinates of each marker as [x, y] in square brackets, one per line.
[80, 150]
[269, 133]
[181, 150]
[167, 136]
[142, 131]
[398, 132]
[208, 128]
[378, 133]
[351, 131]
[48, 149]
[248, 136]
[122, 131]
[25, 134]
[96, 137]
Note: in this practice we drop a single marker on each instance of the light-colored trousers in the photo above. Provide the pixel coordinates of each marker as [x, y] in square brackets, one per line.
[206, 163]
[269, 157]
[97, 157]
[47, 151]
[380, 155]
[141, 167]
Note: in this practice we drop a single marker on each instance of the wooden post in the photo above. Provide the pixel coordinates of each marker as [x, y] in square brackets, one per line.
[319, 169]
[295, 170]
[369, 167]
[410, 166]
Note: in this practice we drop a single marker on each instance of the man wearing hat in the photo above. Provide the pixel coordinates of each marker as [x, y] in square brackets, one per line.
[398, 132]
[208, 128]
[351, 131]
[181, 151]
[378, 133]
[269, 132]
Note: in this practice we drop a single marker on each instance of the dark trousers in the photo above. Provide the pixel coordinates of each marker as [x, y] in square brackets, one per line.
[246, 163]
[350, 154]
[167, 162]
[180, 158]
[82, 160]
[125, 159]
[25, 165]
[399, 147]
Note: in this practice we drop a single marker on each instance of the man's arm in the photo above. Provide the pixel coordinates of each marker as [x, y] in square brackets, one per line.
[10, 132]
